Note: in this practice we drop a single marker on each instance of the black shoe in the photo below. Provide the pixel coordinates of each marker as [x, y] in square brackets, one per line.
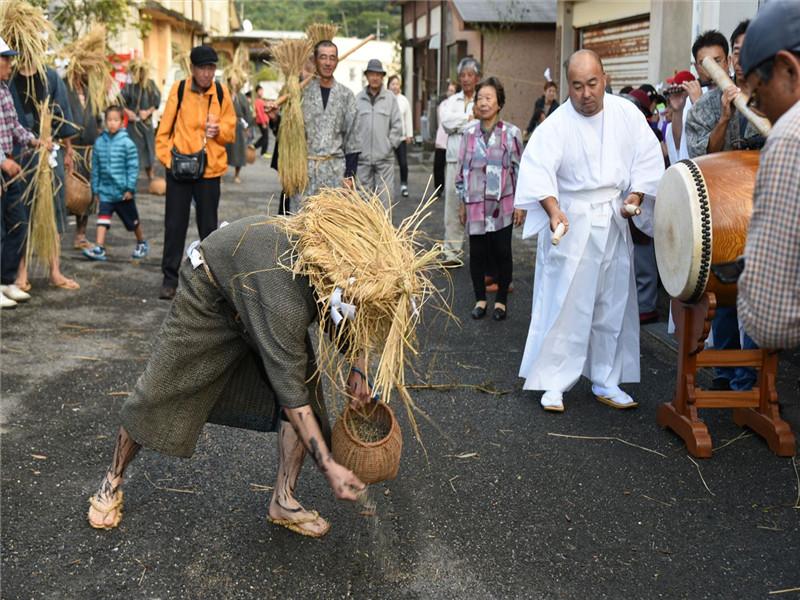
[478, 312]
[166, 293]
[720, 384]
[499, 314]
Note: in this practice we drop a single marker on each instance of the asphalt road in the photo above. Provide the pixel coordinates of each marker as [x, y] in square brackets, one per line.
[494, 506]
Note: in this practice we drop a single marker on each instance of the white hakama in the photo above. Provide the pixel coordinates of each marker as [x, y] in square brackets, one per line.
[585, 317]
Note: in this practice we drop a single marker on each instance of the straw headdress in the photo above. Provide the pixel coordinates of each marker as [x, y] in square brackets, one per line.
[88, 62]
[350, 251]
[239, 70]
[140, 71]
[25, 28]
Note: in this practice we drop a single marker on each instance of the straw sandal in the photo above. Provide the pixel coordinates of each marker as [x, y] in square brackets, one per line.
[295, 525]
[116, 505]
[67, 284]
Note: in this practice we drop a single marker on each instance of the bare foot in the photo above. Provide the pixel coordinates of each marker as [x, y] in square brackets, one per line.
[65, 283]
[23, 284]
[105, 506]
[298, 519]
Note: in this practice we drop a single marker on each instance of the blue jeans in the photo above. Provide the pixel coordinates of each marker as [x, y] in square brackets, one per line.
[14, 229]
[726, 337]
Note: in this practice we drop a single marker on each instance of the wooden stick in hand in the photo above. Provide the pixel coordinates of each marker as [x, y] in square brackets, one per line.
[723, 82]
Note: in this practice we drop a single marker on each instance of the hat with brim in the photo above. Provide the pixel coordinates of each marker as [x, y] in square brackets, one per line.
[374, 66]
[203, 55]
[776, 27]
[5, 50]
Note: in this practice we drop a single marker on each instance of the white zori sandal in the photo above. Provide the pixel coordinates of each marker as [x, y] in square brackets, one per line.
[613, 397]
[552, 401]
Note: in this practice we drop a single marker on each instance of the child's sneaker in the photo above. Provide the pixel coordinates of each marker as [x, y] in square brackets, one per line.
[142, 249]
[96, 253]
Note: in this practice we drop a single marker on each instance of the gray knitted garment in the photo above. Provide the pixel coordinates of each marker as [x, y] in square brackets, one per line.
[232, 350]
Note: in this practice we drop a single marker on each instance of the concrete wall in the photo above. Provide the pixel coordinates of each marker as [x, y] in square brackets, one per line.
[670, 38]
[591, 12]
[519, 58]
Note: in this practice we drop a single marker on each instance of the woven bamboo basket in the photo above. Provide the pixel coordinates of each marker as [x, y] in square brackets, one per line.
[250, 154]
[78, 193]
[370, 461]
[158, 186]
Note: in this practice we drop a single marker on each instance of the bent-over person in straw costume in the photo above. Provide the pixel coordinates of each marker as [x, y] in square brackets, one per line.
[586, 167]
[235, 347]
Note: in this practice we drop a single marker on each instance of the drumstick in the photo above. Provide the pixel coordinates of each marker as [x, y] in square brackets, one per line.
[307, 80]
[558, 233]
[723, 82]
[632, 209]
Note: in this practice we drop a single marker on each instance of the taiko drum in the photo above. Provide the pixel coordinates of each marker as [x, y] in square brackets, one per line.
[702, 212]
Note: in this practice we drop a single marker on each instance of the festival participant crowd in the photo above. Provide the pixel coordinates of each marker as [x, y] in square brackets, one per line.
[584, 184]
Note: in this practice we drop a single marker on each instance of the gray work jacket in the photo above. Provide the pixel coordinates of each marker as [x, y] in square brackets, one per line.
[380, 126]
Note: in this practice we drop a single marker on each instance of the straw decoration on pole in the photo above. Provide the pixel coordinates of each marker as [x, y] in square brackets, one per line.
[290, 56]
[316, 32]
[344, 242]
[43, 242]
[26, 29]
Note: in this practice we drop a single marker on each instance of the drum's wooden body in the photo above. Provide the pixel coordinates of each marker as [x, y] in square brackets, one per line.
[702, 212]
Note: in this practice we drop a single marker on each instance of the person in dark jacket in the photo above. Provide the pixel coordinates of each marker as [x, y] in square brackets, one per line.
[115, 168]
[544, 106]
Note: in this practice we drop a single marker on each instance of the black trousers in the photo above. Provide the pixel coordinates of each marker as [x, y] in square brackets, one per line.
[13, 228]
[492, 247]
[180, 194]
[402, 159]
[262, 145]
[439, 162]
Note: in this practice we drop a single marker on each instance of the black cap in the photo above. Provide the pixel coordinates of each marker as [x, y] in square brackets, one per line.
[374, 66]
[776, 27]
[203, 55]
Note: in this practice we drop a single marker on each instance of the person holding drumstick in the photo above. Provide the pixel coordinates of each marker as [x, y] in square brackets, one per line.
[585, 170]
[769, 288]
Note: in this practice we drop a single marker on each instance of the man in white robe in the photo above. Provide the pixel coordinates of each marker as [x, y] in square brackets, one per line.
[591, 157]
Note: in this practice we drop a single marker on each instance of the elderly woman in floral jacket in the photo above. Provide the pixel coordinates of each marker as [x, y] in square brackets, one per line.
[486, 179]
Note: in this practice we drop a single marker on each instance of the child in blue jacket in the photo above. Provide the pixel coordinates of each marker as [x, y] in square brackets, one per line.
[115, 167]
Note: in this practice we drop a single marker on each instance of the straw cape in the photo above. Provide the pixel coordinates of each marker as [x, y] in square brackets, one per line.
[343, 240]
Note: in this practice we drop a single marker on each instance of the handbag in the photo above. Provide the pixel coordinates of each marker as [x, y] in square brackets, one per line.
[189, 167]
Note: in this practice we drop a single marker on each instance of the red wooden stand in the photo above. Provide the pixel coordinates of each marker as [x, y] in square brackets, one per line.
[757, 408]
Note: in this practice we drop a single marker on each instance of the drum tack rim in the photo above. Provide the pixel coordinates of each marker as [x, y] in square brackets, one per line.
[705, 229]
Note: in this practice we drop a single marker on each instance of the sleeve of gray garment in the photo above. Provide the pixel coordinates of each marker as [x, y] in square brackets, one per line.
[396, 124]
[350, 125]
[697, 131]
[277, 317]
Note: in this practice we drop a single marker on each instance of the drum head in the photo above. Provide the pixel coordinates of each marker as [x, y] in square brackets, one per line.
[682, 231]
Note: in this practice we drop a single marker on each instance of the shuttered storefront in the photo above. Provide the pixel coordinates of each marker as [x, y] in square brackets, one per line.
[623, 46]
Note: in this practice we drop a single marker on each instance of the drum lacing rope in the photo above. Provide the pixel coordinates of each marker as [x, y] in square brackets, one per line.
[705, 229]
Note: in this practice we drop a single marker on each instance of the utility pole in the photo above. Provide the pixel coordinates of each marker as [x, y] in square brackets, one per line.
[378, 30]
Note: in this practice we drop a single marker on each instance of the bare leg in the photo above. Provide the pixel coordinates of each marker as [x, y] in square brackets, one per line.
[100, 236]
[284, 506]
[236, 177]
[124, 451]
[149, 171]
[57, 278]
[80, 229]
[22, 272]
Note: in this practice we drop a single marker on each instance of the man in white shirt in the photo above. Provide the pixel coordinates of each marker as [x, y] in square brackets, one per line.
[456, 113]
[593, 156]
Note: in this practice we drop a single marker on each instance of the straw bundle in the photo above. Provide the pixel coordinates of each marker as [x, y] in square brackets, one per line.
[25, 28]
[344, 239]
[88, 64]
[238, 71]
[43, 239]
[316, 32]
[291, 55]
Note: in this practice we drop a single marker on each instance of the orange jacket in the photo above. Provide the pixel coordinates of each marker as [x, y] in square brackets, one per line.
[190, 127]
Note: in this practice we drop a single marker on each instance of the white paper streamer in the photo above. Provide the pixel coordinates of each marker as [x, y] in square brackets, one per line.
[341, 310]
[194, 254]
[53, 158]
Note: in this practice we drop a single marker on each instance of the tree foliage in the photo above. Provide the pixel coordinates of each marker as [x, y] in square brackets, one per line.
[73, 18]
[355, 18]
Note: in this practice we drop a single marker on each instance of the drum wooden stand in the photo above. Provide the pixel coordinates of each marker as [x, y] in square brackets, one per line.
[757, 408]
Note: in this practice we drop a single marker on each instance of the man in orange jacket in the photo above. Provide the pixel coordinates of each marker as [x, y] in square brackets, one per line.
[199, 116]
